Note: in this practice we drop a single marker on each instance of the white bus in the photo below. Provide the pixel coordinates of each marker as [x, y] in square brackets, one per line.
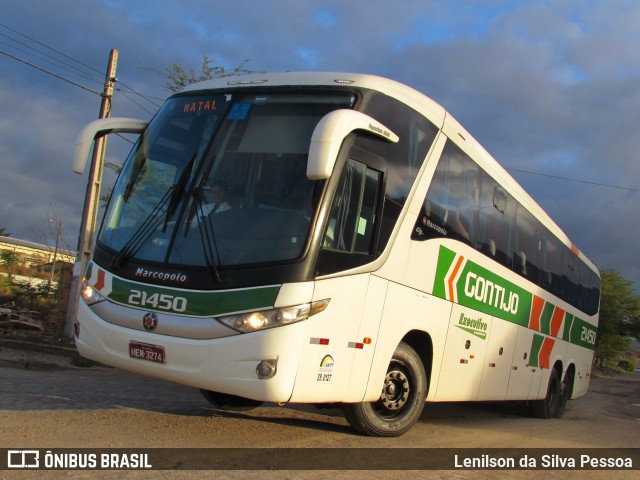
[332, 238]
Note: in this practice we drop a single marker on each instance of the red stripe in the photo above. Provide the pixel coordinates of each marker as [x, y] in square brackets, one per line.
[536, 313]
[545, 352]
[453, 276]
[100, 283]
[556, 321]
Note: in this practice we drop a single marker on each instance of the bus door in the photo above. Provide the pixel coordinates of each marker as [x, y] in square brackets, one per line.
[336, 362]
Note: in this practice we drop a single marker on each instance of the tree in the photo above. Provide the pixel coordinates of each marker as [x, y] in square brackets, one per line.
[9, 258]
[619, 317]
[177, 76]
[619, 306]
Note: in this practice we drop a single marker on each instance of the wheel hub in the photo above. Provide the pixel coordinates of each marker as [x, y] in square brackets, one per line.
[395, 392]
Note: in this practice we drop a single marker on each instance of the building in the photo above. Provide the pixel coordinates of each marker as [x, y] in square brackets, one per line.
[36, 254]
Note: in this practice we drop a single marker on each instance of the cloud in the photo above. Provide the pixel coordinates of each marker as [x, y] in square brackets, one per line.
[549, 87]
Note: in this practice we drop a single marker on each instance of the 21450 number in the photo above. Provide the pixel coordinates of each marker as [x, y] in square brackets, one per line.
[160, 301]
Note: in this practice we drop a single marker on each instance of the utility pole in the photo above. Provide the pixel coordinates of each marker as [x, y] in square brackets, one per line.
[55, 252]
[92, 199]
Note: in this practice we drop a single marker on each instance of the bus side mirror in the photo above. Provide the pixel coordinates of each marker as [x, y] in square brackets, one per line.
[331, 131]
[99, 128]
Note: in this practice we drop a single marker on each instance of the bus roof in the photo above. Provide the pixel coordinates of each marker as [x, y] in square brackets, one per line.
[416, 100]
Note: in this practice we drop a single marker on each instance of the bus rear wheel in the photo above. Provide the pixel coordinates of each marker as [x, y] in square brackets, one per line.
[550, 405]
[224, 401]
[566, 390]
[401, 400]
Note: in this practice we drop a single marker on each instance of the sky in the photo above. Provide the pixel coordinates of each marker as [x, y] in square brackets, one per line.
[550, 88]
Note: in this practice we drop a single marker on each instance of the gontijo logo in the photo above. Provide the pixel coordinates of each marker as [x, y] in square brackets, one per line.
[462, 281]
[491, 293]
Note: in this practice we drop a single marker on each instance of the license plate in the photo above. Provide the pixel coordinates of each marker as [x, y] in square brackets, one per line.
[146, 351]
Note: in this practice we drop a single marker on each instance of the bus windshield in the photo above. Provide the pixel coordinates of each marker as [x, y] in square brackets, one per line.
[219, 180]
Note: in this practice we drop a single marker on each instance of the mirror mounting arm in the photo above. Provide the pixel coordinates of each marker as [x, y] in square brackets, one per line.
[331, 131]
[99, 128]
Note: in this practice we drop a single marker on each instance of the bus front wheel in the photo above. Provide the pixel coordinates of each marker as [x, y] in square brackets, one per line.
[401, 400]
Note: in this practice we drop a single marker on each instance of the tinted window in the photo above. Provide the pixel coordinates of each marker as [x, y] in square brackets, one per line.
[551, 275]
[570, 278]
[403, 160]
[464, 203]
[451, 206]
[351, 222]
[496, 215]
[527, 256]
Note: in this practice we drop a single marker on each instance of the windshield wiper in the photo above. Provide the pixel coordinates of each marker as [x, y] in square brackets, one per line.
[137, 168]
[172, 196]
[207, 236]
[177, 189]
[150, 225]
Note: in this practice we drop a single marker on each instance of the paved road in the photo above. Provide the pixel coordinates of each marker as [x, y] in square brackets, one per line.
[54, 406]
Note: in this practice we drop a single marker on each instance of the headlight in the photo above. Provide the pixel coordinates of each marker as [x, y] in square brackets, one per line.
[90, 295]
[277, 317]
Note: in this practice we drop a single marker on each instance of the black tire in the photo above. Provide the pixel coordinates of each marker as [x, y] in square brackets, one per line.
[401, 401]
[566, 390]
[233, 403]
[548, 406]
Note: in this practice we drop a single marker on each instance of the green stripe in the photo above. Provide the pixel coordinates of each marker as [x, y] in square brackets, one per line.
[545, 318]
[445, 259]
[482, 290]
[536, 346]
[191, 303]
[583, 334]
[477, 333]
[89, 270]
[568, 321]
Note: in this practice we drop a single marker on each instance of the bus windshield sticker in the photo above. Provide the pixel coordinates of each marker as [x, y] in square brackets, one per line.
[239, 111]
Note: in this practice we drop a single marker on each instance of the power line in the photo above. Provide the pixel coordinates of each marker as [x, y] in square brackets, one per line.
[47, 58]
[146, 97]
[52, 49]
[122, 92]
[49, 72]
[66, 66]
[575, 180]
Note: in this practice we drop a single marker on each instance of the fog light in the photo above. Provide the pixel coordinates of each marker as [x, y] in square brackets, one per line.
[266, 368]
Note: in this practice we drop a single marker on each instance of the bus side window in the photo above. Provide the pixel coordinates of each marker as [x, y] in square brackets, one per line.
[551, 277]
[589, 289]
[527, 257]
[570, 277]
[403, 160]
[496, 215]
[350, 227]
[451, 206]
